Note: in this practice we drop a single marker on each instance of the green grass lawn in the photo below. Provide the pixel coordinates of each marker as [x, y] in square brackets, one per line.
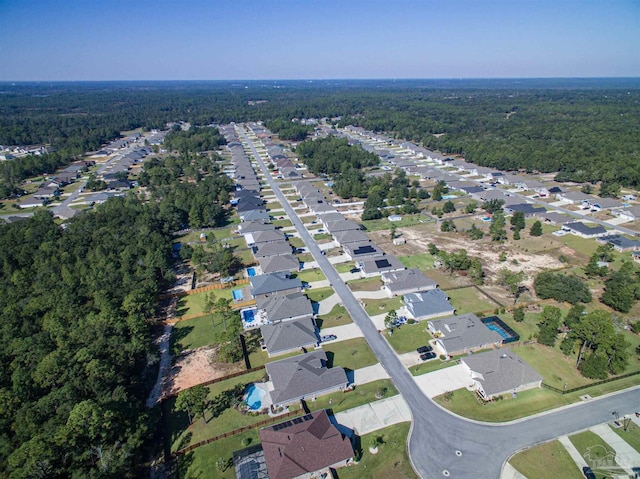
[322, 236]
[350, 354]
[429, 366]
[194, 303]
[385, 224]
[408, 337]
[345, 267]
[338, 316]
[470, 300]
[195, 333]
[527, 403]
[365, 284]
[245, 256]
[391, 461]
[593, 448]
[631, 435]
[423, 261]
[282, 223]
[305, 257]
[373, 307]
[547, 460]
[318, 294]
[361, 395]
[180, 434]
[201, 462]
[296, 242]
[310, 275]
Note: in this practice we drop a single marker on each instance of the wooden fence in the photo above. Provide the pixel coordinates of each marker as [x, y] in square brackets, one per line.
[202, 289]
[579, 388]
[266, 422]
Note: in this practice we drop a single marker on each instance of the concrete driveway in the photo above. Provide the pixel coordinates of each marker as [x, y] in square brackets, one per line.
[439, 382]
[344, 332]
[374, 416]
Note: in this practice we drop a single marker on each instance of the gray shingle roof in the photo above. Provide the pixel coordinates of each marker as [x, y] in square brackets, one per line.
[303, 376]
[288, 335]
[381, 264]
[350, 236]
[464, 332]
[586, 230]
[342, 225]
[285, 306]
[428, 304]
[283, 262]
[272, 283]
[500, 371]
[272, 249]
[407, 280]
[366, 249]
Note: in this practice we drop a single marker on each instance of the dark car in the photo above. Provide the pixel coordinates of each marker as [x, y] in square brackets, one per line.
[588, 473]
[354, 270]
[427, 356]
[328, 337]
[424, 349]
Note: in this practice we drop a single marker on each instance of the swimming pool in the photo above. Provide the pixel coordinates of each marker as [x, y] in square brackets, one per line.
[449, 197]
[498, 329]
[248, 315]
[254, 397]
[251, 272]
[237, 294]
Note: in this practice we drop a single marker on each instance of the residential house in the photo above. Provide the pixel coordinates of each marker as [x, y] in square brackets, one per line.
[257, 238]
[556, 218]
[428, 304]
[274, 248]
[500, 371]
[265, 285]
[304, 447]
[636, 256]
[253, 226]
[631, 214]
[359, 251]
[342, 225]
[289, 336]
[462, 334]
[580, 229]
[398, 283]
[277, 263]
[304, 377]
[330, 217]
[527, 209]
[377, 266]
[620, 243]
[255, 215]
[574, 197]
[342, 238]
[284, 307]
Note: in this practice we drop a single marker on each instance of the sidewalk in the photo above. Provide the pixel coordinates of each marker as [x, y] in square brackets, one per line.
[509, 472]
[626, 456]
[573, 452]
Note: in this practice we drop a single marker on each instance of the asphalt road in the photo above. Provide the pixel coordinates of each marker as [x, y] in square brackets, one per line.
[440, 443]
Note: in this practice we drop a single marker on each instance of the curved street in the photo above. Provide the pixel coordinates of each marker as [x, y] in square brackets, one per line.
[442, 444]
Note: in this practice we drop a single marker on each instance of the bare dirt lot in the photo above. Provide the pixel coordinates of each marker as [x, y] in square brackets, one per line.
[418, 238]
[195, 367]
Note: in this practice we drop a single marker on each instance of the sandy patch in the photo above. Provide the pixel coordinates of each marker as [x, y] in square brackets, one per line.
[195, 367]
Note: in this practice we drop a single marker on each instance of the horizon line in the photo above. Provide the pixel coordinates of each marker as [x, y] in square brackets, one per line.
[333, 79]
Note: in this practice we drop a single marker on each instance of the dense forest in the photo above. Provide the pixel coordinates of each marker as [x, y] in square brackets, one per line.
[586, 130]
[75, 304]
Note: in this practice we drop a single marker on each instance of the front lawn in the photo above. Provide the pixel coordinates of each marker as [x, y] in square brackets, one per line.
[361, 395]
[309, 275]
[595, 450]
[430, 366]
[350, 354]
[391, 461]
[338, 316]
[631, 435]
[318, 294]
[408, 337]
[345, 267]
[365, 284]
[547, 460]
[374, 307]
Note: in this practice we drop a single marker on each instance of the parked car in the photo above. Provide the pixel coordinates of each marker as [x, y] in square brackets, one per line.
[588, 473]
[328, 337]
[400, 321]
[354, 270]
[427, 356]
[424, 349]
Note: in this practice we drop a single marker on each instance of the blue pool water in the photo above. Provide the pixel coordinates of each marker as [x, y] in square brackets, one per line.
[254, 397]
[498, 329]
[448, 197]
[248, 315]
[251, 272]
[486, 218]
[237, 294]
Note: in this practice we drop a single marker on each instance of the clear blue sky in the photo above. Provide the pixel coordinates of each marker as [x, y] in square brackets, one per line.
[315, 39]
